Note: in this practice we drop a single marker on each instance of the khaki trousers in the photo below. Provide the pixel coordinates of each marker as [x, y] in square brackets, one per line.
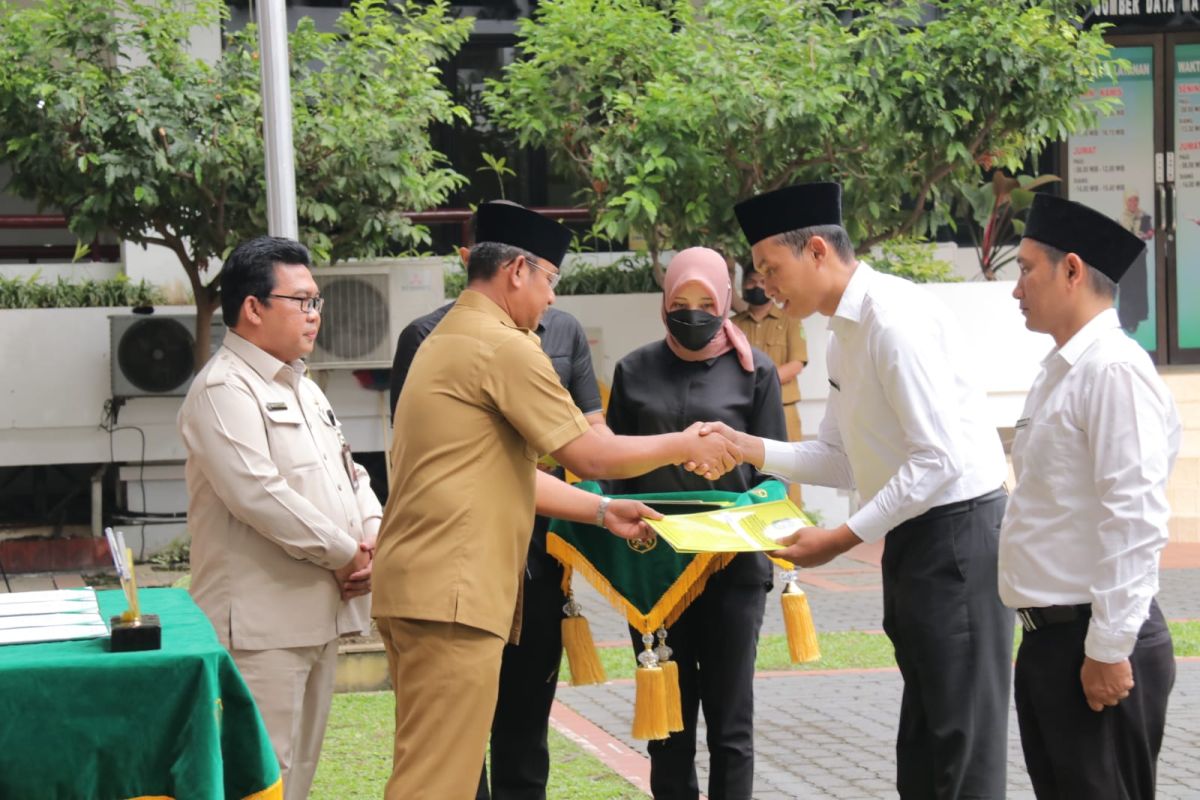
[446, 677]
[293, 688]
[791, 415]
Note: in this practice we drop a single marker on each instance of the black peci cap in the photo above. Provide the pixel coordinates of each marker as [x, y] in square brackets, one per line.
[801, 206]
[1074, 228]
[511, 224]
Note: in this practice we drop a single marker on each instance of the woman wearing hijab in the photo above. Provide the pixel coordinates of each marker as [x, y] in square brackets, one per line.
[704, 369]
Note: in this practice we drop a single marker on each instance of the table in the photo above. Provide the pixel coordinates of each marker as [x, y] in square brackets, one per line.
[77, 721]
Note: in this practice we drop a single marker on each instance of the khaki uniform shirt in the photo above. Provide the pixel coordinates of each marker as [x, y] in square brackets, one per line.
[780, 338]
[481, 404]
[271, 508]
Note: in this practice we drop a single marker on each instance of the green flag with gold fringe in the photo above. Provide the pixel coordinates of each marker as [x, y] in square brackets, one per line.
[651, 587]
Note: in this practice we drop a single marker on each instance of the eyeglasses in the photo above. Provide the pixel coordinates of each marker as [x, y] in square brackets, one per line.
[554, 278]
[307, 304]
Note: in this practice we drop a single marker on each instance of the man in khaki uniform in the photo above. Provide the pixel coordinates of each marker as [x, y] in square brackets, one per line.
[282, 520]
[480, 404]
[770, 330]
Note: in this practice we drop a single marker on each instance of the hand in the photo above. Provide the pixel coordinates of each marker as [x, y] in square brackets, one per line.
[624, 518]
[354, 579]
[812, 547]
[711, 456]
[1105, 684]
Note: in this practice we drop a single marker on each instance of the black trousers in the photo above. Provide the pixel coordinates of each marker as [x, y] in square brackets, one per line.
[1073, 752]
[528, 677]
[953, 640]
[714, 642]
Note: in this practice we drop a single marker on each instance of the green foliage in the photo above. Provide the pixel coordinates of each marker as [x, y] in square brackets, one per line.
[995, 207]
[106, 115]
[111, 293]
[175, 556]
[671, 112]
[628, 275]
[912, 259]
[497, 166]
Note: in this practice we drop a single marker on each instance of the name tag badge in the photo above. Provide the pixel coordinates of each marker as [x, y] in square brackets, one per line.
[1022, 423]
[348, 463]
[276, 406]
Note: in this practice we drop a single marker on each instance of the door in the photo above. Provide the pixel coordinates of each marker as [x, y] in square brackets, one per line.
[1141, 166]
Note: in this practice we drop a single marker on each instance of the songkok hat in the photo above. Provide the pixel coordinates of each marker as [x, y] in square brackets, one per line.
[1074, 228]
[801, 206]
[509, 223]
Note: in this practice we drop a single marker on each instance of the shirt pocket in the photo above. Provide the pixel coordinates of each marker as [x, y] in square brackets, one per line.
[293, 448]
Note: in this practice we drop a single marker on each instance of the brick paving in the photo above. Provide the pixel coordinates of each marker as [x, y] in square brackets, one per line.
[831, 735]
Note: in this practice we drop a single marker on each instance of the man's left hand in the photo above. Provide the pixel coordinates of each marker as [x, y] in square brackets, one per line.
[359, 582]
[1105, 684]
[812, 547]
[624, 518]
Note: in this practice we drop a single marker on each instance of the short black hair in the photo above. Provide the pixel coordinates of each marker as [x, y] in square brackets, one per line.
[249, 271]
[836, 235]
[485, 259]
[1100, 283]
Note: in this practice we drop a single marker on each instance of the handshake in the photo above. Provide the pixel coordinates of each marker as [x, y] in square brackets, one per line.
[713, 448]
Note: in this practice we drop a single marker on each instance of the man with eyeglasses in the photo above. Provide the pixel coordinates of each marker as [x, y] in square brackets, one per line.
[480, 404]
[282, 520]
[519, 755]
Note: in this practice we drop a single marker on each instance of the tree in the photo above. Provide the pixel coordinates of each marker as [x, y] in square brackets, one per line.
[106, 115]
[669, 112]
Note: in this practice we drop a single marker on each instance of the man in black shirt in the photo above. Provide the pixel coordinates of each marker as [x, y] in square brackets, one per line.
[529, 670]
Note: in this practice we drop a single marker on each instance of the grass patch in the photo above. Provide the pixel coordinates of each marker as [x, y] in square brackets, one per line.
[357, 757]
[848, 650]
[839, 650]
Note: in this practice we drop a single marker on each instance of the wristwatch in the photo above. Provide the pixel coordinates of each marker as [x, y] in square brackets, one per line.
[601, 510]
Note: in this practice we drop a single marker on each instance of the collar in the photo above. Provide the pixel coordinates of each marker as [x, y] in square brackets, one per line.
[478, 301]
[262, 362]
[773, 312]
[856, 291]
[1086, 336]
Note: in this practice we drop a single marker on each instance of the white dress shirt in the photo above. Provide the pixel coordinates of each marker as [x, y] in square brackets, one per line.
[903, 424]
[1088, 518]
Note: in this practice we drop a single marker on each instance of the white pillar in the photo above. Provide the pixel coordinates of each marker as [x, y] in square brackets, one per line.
[277, 119]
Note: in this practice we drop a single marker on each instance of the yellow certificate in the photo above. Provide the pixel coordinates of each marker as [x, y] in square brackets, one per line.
[738, 529]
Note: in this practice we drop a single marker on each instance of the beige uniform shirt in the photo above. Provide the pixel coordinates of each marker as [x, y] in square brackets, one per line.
[481, 404]
[271, 507]
[780, 338]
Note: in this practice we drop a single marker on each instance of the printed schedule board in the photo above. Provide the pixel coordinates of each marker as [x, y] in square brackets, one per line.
[1186, 104]
[1111, 169]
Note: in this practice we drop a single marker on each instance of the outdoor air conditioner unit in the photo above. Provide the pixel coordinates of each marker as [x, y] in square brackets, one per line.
[367, 304]
[152, 355]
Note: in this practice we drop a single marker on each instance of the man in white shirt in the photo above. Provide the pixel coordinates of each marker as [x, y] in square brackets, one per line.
[905, 428]
[1087, 521]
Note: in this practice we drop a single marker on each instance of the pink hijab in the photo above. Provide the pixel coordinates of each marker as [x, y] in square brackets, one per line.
[706, 267]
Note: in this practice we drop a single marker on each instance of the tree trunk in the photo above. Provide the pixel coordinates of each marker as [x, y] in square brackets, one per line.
[208, 301]
[736, 305]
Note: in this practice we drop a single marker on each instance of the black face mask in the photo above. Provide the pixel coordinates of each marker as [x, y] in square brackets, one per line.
[755, 296]
[693, 328]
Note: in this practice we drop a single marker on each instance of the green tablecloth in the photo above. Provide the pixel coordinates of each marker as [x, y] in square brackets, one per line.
[77, 721]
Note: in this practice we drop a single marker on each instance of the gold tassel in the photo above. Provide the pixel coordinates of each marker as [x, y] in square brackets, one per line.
[674, 701]
[797, 620]
[671, 676]
[650, 703]
[577, 640]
